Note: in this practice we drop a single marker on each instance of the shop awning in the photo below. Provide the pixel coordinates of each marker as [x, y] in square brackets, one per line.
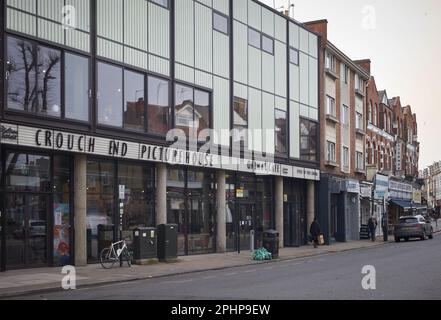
[407, 205]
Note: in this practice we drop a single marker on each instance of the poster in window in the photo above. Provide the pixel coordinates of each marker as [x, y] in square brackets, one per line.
[61, 234]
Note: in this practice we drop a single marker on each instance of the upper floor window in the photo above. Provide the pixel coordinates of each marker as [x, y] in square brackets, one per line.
[374, 114]
[267, 44]
[345, 115]
[345, 157]
[360, 161]
[254, 38]
[240, 114]
[330, 61]
[192, 109]
[281, 134]
[162, 3]
[220, 22]
[122, 100]
[330, 147]
[330, 106]
[346, 74]
[35, 79]
[294, 56]
[359, 121]
[260, 41]
[308, 140]
[359, 83]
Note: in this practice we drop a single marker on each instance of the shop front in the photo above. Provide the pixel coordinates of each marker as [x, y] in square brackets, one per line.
[65, 196]
[294, 213]
[36, 204]
[249, 210]
[191, 205]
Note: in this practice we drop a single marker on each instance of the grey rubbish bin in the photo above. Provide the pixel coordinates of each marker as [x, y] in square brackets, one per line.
[144, 244]
[271, 242]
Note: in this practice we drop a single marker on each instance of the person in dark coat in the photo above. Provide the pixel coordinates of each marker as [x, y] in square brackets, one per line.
[315, 232]
[372, 225]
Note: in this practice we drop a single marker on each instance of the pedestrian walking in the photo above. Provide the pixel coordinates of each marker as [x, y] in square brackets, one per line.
[372, 225]
[315, 232]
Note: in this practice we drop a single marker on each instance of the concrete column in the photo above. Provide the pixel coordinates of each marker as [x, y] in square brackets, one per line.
[161, 194]
[310, 203]
[279, 209]
[221, 233]
[80, 212]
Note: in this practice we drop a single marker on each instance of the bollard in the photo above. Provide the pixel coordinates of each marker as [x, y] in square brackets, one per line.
[252, 240]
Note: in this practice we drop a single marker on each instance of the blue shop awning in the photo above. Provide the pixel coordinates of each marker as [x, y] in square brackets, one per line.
[407, 205]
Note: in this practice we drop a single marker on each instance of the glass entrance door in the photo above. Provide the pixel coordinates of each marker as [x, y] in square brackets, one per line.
[26, 234]
[292, 225]
[245, 220]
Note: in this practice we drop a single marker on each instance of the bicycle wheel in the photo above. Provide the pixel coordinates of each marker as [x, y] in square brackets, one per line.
[107, 258]
[127, 257]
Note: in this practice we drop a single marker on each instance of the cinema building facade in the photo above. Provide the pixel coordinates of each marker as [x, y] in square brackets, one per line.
[89, 96]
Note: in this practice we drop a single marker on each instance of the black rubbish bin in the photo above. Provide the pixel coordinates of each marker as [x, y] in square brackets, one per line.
[271, 242]
[144, 243]
[168, 242]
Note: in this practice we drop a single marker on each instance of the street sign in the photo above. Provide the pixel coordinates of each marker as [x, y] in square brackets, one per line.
[122, 192]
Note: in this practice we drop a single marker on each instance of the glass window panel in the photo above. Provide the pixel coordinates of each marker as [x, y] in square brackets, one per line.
[267, 44]
[134, 103]
[109, 95]
[49, 82]
[21, 68]
[240, 113]
[184, 108]
[202, 111]
[100, 206]
[27, 172]
[281, 131]
[220, 23]
[76, 87]
[62, 230]
[61, 174]
[294, 56]
[162, 3]
[158, 106]
[254, 38]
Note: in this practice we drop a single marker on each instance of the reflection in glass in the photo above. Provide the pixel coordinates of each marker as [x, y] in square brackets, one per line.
[26, 230]
[27, 172]
[176, 205]
[281, 132]
[139, 197]
[158, 113]
[100, 206]
[21, 67]
[109, 95]
[134, 104]
[184, 109]
[202, 111]
[49, 81]
[34, 78]
[76, 70]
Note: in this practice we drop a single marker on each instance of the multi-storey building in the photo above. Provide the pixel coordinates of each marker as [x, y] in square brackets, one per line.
[342, 134]
[90, 92]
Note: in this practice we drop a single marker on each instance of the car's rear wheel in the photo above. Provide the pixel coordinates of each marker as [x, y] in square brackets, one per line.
[397, 239]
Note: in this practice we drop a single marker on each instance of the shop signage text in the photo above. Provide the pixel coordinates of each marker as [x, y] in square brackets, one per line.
[79, 143]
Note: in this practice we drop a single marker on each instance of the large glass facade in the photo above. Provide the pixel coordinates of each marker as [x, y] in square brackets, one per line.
[35, 76]
[190, 205]
[104, 179]
[110, 95]
[158, 110]
[37, 208]
[100, 206]
[249, 208]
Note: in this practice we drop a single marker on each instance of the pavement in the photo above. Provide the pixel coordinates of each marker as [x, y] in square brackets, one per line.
[43, 280]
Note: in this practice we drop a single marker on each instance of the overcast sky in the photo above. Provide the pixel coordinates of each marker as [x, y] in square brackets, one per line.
[403, 40]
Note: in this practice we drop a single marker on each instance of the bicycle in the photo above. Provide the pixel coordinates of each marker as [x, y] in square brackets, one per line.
[117, 252]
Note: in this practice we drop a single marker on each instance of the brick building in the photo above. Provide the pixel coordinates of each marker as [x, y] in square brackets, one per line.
[342, 134]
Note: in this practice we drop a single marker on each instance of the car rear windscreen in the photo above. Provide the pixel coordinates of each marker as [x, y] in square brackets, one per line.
[409, 220]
